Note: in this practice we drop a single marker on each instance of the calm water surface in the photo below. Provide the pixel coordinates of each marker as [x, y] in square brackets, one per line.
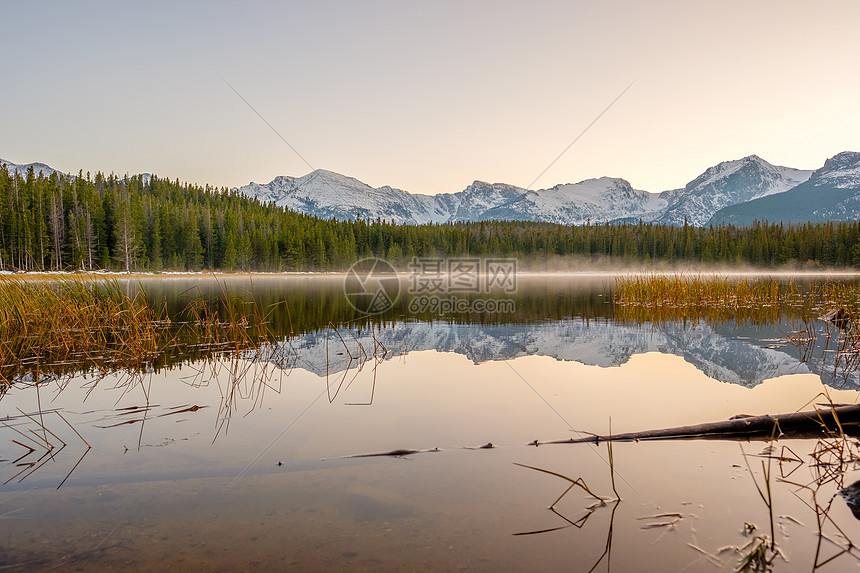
[246, 463]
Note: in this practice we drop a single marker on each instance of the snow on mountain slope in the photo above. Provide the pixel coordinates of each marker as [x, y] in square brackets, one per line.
[832, 193]
[595, 200]
[728, 183]
[473, 203]
[330, 195]
[841, 171]
[38, 168]
[334, 196]
[47, 170]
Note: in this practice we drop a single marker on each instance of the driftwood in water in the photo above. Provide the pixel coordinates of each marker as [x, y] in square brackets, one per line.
[393, 453]
[812, 424]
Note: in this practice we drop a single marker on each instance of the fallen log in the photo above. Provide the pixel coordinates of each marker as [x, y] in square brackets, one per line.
[816, 423]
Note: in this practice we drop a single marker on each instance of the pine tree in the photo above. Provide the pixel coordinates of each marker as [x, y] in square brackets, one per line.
[231, 254]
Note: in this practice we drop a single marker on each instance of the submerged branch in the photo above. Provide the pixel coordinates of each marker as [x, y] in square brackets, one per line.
[814, 423]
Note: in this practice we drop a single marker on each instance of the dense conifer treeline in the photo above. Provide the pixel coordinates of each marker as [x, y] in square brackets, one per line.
[135, 223]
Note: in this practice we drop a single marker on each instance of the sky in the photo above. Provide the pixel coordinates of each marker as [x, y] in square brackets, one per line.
[428, 96]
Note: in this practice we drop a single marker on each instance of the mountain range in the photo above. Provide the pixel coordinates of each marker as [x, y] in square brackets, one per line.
[735, 192]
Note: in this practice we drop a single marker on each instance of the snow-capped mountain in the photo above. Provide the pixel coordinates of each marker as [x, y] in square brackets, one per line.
[330, 195]
[595, 200]
[831, 193]
[472, 203]
[726, 184]
[46, 170]
[333, 196]
[38, 168]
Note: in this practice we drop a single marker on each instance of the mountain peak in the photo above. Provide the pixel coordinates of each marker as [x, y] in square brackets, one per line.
[728, 167]
[327, 173]
[840, 161]
[831, 193]
[842, 171]
[596, 186]
[38, 168]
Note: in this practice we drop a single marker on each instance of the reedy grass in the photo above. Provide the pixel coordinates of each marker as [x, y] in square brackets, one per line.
[50, 323]
[73, 325]
[661, 298]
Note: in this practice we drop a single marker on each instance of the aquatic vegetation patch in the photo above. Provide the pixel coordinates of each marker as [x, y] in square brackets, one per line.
[74, 325]
[659, 298]
[45, 325]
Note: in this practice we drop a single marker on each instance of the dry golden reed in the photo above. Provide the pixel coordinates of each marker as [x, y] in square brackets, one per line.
[660, 298]
[80, 324]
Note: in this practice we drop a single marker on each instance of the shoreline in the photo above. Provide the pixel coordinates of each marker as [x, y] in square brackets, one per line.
[838, 273]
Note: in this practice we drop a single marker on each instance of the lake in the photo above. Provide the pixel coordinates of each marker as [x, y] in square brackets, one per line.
[359, 440]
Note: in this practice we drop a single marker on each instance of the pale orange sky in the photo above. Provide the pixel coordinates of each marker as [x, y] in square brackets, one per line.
[429, 96]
